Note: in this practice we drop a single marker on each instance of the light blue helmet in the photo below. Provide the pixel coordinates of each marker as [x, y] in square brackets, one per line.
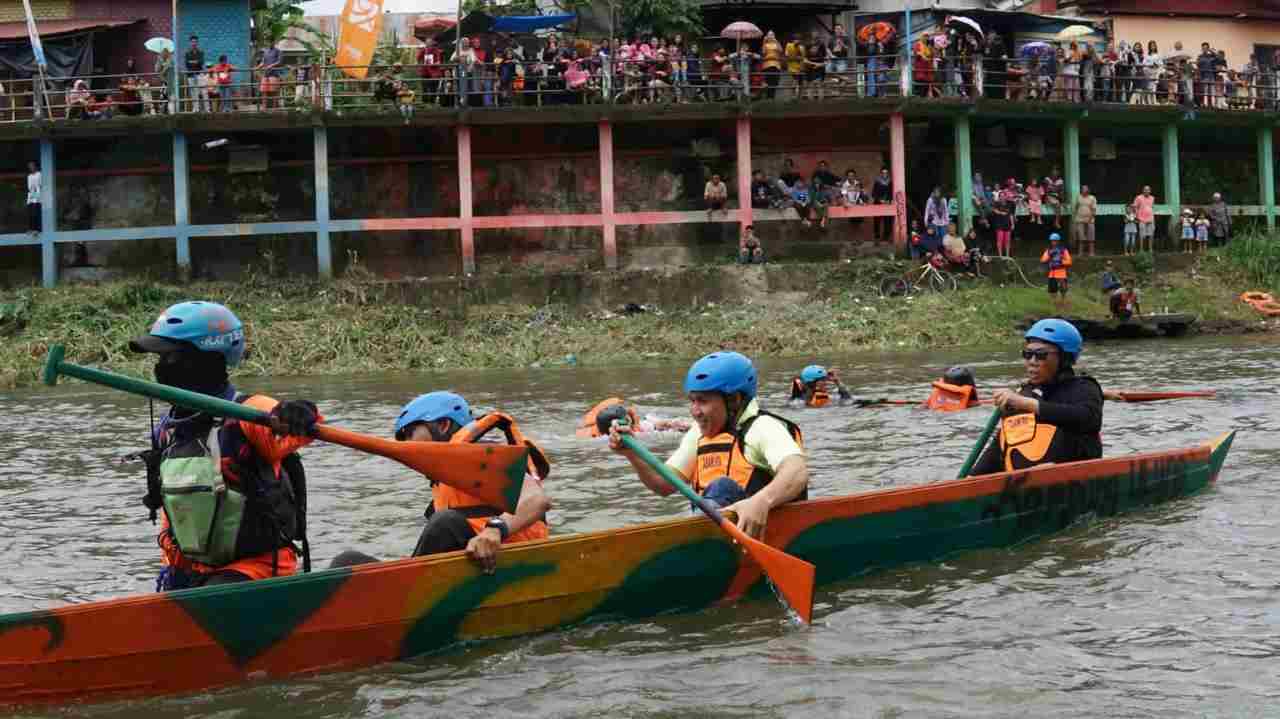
[724, 372]
[433, 406]
[207, 326]
[1055, 237]
[813, 373]
[1061, 334]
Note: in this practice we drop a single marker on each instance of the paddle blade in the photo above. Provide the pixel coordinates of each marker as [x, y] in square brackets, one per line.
[51, 366]
[1157, 396]
[492, 473]
[793, 577]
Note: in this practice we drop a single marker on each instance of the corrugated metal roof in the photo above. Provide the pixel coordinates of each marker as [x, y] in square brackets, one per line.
[49, 28]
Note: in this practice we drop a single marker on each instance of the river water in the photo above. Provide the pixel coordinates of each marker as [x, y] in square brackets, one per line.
[1169, 612]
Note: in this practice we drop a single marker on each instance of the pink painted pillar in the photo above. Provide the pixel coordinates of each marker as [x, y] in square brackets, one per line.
[609, 220]
[464, 200]
[744, 171]
[898, 168]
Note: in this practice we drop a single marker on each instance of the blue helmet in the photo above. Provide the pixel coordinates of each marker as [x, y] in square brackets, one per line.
[433, 406]
[1059, 333]
[207, 326]
[723, 372]
[1055, 237]
[813, 373]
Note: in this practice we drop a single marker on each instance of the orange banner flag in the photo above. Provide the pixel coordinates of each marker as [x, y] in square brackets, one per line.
[358, 37]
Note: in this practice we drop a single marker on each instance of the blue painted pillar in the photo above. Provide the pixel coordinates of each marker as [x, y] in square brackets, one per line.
[182, 204]
[1071, 163]
[1267, 175]
[324, 258]
[964, 174]
[48, 216]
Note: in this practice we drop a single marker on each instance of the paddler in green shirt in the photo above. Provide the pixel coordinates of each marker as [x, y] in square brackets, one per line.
[744, 459]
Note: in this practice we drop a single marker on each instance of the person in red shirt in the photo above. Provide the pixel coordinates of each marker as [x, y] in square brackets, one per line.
[430, 59]
[224, 77]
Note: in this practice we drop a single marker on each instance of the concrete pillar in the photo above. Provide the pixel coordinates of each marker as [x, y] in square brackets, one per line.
[906, 41]
[464, 200]
[1172, 180]
[1267, 175]
[744, 172]
[609, 223]
[182, 204]
[964, 173]
[324, 252]
[48, 216]
[1071, 162]
[898, 171]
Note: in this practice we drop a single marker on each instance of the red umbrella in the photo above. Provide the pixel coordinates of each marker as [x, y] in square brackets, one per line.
[741, 30]
[423, 29]
[878, 31]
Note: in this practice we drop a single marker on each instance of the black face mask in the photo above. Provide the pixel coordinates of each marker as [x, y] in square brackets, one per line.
[195, 371]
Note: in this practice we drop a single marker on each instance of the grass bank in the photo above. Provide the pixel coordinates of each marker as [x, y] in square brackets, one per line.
[354, 325]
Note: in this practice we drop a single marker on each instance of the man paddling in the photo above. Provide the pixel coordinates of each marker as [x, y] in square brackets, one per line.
[814, 386]
[738, 456]
[456, 520]
[233, 493]
[1056, 415]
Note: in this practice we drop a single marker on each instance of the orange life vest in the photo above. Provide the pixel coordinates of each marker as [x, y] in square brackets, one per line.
[817, 396]
[477, 512]
[951, 397]
[722, 456]
[1025, 443]
[587, 425]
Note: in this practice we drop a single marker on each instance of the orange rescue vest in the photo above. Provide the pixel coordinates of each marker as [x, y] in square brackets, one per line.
[587, 425]
[444, 497]
[722, 456]
[813, 397]
[948, 397]
[1025, 443]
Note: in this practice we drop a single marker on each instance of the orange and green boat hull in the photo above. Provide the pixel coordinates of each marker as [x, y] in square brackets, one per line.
[341, 619]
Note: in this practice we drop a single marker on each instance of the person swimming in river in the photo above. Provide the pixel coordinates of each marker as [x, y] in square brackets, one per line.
[814, 385]
[606, 411]
[956, 390]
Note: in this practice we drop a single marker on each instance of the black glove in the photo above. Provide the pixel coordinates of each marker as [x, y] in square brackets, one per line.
[295, 416]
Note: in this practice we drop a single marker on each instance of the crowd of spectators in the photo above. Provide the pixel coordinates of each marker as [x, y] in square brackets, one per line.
[811, 197]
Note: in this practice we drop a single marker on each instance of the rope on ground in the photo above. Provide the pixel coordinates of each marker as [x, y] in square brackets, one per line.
[1018, 267]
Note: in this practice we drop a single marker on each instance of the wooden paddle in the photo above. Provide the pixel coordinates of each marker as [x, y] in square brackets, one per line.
[793, 577]
[979, 445]
[492, 473]
[884, 401]
[1127, 396]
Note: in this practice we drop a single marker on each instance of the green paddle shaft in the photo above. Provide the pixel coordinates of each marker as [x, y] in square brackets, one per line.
[979, 445]
[181, 397]
[665, 472]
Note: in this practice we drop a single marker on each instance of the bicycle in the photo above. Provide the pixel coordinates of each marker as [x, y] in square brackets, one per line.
[924, 277]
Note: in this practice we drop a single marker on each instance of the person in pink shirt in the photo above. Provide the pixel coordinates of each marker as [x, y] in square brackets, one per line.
[1144, 206]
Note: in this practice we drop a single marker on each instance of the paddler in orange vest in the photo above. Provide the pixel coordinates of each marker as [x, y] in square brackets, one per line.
[813, 387]
[455, 519]
[1056, 415]
[232, 493]
[742, 458]
[956, 390]
[606, 411]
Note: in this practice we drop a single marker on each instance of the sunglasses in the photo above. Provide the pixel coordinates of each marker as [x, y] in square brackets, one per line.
[1040, 355]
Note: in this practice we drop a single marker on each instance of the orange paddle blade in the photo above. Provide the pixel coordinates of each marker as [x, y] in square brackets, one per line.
[492, 473]
[792, 576]
[1156, 396]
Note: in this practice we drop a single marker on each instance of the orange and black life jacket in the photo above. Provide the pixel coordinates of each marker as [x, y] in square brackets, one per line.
[814, 395]
[444, 497]
[587, 425]
[948, 397]
[1026, 442]
[722, 456]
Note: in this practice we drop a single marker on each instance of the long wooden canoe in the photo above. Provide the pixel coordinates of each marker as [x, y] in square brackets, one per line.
[341, 619]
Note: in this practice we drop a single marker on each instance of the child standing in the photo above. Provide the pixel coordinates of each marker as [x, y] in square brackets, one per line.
[1035, 198]
[1130, 230]
[1058, 259]
[1002, 223]
[1202, 232]
[1188, 231]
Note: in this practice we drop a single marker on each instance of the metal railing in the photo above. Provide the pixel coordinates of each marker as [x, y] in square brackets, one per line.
[600, 80]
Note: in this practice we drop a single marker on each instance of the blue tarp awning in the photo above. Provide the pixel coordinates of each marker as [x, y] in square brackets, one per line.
[529, 23]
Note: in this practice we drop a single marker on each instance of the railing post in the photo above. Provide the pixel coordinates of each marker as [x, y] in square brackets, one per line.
[181, 204]
[964, 174]
[324, 256]
[48, 215]
[744, 172]
[898, 171]
[906, 42]
[465, 228]
[1267, 175]
[609, 220]
[1172, 179]
[1071, 161]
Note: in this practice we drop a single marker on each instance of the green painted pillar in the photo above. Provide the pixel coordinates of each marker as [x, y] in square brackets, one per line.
[1172, 180]
[1071, 162]
[1267, 175]
[964, 173]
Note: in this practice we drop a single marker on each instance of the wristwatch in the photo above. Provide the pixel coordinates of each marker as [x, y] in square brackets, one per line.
[498, 524]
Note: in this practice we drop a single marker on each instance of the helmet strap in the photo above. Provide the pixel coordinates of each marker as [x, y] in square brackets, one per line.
[733, 408]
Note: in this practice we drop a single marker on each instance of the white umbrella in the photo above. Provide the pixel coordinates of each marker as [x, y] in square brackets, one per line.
[159, 45]
[1074, 31]
[965, 23]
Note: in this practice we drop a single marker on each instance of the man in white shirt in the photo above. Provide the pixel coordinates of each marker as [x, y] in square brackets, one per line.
[34, 206]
